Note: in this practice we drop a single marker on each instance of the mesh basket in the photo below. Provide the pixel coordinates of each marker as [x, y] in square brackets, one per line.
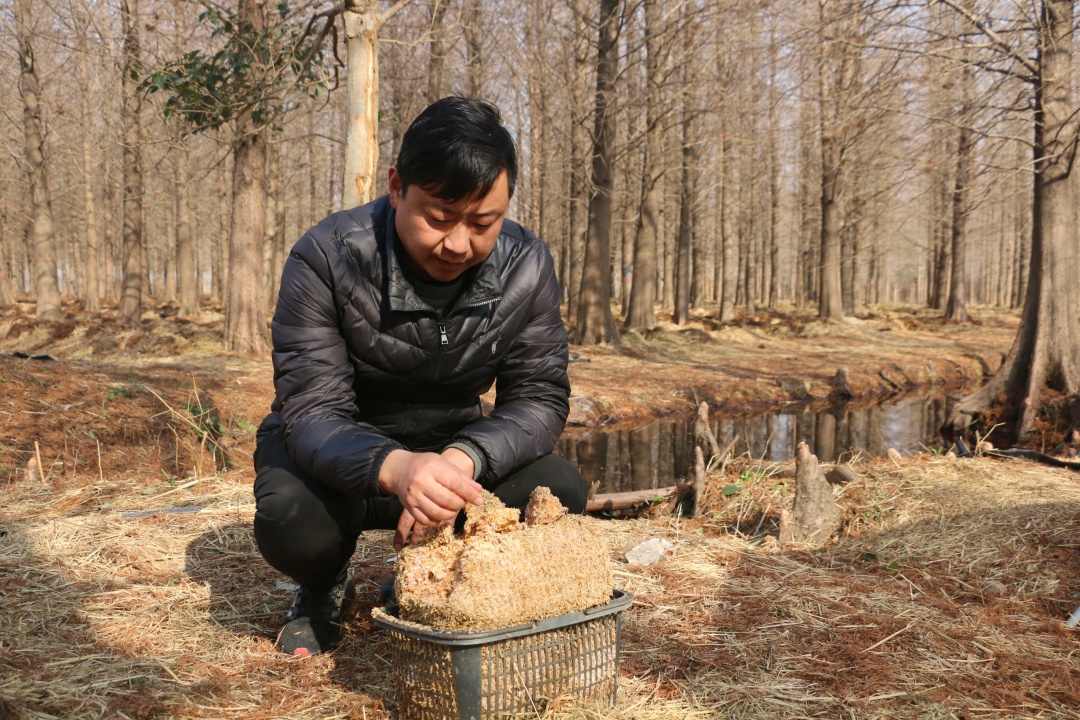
[488, 675]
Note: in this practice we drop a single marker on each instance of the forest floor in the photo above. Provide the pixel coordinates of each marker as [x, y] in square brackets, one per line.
[943, 596]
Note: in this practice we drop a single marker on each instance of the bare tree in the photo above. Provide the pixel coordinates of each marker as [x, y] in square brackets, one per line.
[1046, 351]
[45, 282]
[474, 46]
[956, 308]
[643, 290]
[187, 290]
[595, 323]
[436, 50]
[130, 308]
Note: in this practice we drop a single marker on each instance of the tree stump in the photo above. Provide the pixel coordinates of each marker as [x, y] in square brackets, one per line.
[688, 492]
[814, 515]
[703, 434]
[842, 383]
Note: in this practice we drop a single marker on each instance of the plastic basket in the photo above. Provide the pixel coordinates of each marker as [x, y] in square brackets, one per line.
[488, 675]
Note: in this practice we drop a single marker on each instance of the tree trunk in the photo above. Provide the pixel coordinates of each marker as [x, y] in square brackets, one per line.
[277, 240]
[130, 308]
[1046, 350]
[474, 47]
[774, 176]
[92, 290]
[684, 234]
[270, 215]
[7, 289]
[46, 285]
[436, 50]
[245, 319]
[641, 313]
[362, 101]
[362, 23]
[595, 323]
[730, 274]
[957, 306]
[187, 287]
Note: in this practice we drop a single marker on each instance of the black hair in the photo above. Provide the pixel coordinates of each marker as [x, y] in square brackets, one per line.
[456, 148]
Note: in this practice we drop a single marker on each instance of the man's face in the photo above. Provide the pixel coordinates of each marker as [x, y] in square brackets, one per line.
[442, 240]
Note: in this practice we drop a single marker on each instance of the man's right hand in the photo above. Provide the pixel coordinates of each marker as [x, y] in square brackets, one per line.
[432, 489]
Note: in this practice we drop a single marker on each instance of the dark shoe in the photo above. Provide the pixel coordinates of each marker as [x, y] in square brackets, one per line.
[313, 625]
[388, 596]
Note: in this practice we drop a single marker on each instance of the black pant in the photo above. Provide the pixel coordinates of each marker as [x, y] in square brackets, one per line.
[308, 531]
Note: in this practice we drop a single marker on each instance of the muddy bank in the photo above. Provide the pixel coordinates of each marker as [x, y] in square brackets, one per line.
[770, 361]
[763, 361]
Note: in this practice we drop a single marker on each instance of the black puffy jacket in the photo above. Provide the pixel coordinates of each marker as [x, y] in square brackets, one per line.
[363, 366]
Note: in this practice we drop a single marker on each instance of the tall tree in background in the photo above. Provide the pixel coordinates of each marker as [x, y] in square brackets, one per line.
[45, 282]
[244, 84]
[130, 308]
[684, 234]
[595, 323]
[1045, 355]
[436, 50]
[474, 46]
[643, 288]
[956, 308]
[245, 323]
[92, 286]
[187, 289]
[836, 74]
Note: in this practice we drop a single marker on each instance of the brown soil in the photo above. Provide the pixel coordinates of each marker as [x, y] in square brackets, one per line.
[944, 596]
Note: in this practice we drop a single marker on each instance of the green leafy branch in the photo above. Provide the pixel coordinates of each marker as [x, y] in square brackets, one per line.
[252, 71]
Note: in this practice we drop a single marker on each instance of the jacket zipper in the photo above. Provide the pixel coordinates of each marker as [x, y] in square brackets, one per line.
[444, 337]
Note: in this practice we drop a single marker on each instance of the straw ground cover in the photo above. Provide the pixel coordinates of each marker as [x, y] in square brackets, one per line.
[945, 596]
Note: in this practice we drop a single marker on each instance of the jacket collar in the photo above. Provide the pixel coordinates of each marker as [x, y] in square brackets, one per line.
[485, 286]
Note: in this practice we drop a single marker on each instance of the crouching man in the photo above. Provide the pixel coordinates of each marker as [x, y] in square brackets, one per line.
[392, 319]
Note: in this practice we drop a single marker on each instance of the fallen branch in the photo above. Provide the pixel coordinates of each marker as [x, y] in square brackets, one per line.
[629, 499]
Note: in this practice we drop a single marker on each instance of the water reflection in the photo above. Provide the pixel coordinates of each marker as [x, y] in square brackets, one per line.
[653, 455]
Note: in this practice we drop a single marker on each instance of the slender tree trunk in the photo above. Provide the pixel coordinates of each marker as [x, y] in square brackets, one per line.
[131, 290]
[277, 239]
[186, 280]
[474, 46]
[1046, 350]
[684, 233]
[641, 313]
[436, 50]
[270, 214]
[774, 176]
[579, 181]
[957, 306]
[46, 285]
[7, 289]
[595, 323]
[727, 232]
[92, 291]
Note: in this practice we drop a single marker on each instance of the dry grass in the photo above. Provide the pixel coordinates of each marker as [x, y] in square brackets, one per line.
[169, 615]
[945, 597]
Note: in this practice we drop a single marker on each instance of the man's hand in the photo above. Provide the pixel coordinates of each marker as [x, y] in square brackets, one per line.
[460, 459]
[432, 488]
[403, 533]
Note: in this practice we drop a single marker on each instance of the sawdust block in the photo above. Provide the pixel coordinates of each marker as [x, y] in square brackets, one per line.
[502, 572]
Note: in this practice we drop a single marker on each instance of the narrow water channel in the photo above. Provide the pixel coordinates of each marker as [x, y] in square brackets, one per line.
[652, 455]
